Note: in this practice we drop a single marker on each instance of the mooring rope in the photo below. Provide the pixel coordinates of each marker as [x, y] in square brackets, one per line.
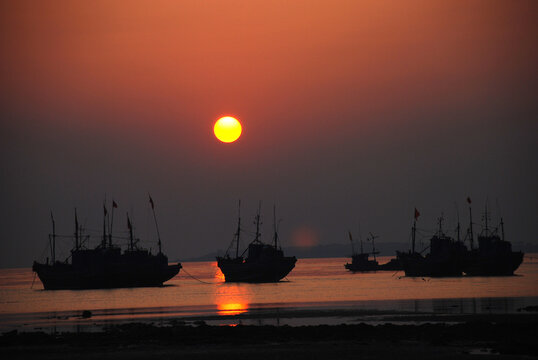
[195, 278]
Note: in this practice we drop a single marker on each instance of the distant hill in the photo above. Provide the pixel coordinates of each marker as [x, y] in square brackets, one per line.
[320, 251]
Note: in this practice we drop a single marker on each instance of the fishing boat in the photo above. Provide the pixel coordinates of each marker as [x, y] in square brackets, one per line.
[494, 255]
[446, 257]
[360, 261]
[263, 262]
[105, 266]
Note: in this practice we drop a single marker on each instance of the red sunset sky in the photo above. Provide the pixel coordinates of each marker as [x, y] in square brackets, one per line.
[351, 111]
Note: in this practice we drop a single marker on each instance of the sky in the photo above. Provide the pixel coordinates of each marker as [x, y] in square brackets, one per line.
[354, 113]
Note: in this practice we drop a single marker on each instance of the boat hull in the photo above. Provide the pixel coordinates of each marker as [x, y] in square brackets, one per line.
[415, 265]
[432, 268]
[362, 267]
[256, 271]
[500, 265]
[60, 276]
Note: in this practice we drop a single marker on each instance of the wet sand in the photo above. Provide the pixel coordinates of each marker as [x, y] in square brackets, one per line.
[508, 336]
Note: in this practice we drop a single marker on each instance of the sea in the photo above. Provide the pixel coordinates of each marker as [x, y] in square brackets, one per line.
[317, 291]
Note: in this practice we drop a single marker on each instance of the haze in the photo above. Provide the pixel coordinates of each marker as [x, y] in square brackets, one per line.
[351, 112]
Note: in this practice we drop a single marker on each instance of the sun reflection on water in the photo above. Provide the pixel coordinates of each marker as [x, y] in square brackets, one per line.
[231, 298]
[232, 308]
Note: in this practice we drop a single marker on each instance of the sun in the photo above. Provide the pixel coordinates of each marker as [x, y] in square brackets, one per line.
[227, 129]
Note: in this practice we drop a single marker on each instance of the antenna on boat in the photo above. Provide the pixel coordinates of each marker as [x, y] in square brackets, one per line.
[53, 238]
[238, 232]
[258, 222]
[155, 219]
[76, 231]
[470, 223]
[373, 237]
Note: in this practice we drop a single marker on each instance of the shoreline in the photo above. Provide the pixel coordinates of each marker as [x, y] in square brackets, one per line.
[503, 335]
[293, 314]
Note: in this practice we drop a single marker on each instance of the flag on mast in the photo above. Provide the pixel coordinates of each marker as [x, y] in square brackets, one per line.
[151, 202]
[417, 214]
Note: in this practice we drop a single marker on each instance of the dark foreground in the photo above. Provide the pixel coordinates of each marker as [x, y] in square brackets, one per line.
[504, 337]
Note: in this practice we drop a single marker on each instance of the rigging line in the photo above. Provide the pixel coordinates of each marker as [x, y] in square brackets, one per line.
[45, 250]
[195, 278]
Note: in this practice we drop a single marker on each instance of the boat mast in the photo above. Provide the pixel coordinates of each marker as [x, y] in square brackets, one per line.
[105, 212]
[258, 222]
[352, 246]
[486, 220]
[440, 220]
[76, 231]
[155, 219]
[53, 247]
[114, 205]
[471, 240]
[238, 232]
[414, 231]
[275, 226]
[458, 227]
[360, 238]
[502, 229]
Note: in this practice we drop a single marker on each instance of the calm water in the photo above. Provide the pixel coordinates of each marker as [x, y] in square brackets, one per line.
[315, 285]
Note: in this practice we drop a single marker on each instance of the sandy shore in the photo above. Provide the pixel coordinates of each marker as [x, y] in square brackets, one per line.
[502, 336]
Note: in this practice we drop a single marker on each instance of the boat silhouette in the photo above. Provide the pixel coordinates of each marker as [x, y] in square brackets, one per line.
[105, 266]
[446, 257]
[263, 263]
[360, 262]
[494, 255]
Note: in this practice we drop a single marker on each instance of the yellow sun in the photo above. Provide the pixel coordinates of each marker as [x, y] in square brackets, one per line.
[227, 129]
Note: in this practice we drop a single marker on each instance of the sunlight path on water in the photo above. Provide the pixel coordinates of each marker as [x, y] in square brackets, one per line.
[313, 281]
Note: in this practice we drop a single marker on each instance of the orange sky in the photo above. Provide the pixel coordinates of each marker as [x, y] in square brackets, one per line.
[190, 61]
[320, 86]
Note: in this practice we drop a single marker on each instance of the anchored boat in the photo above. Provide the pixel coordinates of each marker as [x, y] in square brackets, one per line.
[105, 266]
[360, 261]
[446, 257]
[263, 263]
[494, 255]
